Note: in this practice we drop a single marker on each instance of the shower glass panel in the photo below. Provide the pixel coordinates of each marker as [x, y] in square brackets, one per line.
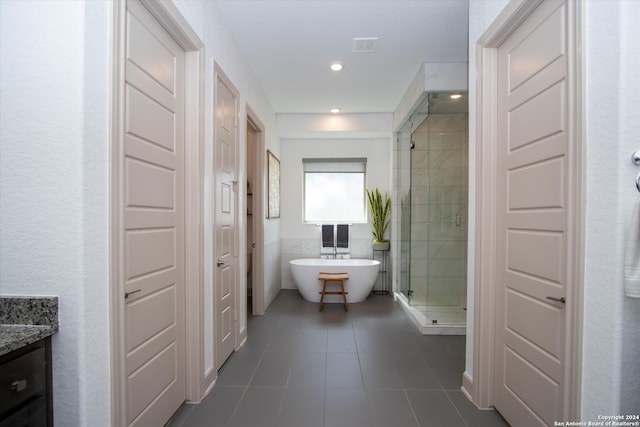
[403, 171]
[438, 211]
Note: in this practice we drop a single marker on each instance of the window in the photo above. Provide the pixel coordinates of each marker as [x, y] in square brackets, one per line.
[334, 190]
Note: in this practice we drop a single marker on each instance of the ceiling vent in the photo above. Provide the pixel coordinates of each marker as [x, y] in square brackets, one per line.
[365, 44]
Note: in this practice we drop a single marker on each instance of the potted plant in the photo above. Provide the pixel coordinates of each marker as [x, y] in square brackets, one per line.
[380, 212]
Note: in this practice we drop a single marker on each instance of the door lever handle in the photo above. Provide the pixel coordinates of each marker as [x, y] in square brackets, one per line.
[561, 299]
[126, 294]
[219, 263]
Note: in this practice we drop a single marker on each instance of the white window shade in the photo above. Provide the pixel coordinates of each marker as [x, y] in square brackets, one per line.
[334, 190]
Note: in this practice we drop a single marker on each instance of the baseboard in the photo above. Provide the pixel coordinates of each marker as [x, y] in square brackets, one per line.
[244, 341]
[467, 390]
[467, 386]
[208, 390]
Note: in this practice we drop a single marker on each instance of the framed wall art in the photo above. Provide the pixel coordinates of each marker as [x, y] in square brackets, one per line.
[273, 168]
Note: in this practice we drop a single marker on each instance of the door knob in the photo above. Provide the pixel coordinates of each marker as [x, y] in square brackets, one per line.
[219, 263]
[561, 299]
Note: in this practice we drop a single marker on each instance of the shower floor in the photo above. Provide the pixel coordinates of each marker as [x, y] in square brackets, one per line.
[440, 312]
[449, 320]
[443, 315]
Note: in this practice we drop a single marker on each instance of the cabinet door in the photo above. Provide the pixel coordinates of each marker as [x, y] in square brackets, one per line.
[22, 378]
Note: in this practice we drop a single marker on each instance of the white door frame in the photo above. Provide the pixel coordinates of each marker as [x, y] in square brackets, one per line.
[480, 387]
[258, 211]
[174, 23]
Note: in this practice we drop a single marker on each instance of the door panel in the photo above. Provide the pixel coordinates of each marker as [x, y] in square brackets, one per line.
[153, 214]
[533, 219]
[149, 251]
[523, 195]
[535, 253]
[150, 120]
[226, 276]
[139, 194]
[537, 50]
[528, 317]
[539, 117]
[529, 384]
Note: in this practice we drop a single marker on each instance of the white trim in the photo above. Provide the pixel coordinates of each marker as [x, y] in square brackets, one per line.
[480, 387]
[194, 203]
[116, 287]
[259, 178]
[576, 127]
[174, 23]
[485, 248]
[467, 385]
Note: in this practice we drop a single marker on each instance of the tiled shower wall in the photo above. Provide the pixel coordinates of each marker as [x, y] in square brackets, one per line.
[439, 177]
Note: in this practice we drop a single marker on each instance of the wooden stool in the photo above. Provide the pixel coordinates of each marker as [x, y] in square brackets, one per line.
[335, 278]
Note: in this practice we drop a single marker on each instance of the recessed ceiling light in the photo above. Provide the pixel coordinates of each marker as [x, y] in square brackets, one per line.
[456, 96]
[336, 66]
[335, 110]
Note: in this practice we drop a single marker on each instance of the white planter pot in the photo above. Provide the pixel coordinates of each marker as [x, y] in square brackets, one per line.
[381, 246]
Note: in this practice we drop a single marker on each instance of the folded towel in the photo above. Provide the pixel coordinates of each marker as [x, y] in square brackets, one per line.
[327, 236]
[342, 236]
[632, 256]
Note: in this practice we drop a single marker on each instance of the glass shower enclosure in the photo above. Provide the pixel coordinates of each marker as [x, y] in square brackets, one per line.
[432, 183]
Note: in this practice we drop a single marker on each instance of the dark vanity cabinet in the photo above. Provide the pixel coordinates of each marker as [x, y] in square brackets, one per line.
[25, 386]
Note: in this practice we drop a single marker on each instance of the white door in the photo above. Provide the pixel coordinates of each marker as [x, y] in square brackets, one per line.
[534, 219]
[226, 187]
[152, 168]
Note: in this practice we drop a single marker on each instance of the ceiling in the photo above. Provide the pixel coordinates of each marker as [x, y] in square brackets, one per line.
[290, 45]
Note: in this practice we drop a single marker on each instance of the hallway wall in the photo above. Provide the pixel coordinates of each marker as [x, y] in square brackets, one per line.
[220, 47]
[54, 177]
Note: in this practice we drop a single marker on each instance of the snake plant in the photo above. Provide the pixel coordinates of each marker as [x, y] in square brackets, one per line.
[380, 213]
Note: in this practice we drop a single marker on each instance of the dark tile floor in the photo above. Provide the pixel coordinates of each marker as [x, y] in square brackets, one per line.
[367, 367]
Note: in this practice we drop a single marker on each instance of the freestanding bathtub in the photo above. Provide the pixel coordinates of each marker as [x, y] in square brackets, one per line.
[362, 277]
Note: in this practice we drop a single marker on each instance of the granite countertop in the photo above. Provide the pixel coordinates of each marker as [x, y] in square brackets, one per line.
[25, 320]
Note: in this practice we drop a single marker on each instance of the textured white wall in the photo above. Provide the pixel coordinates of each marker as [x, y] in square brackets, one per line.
[610, 364]
[630, 142]
[53, 186]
